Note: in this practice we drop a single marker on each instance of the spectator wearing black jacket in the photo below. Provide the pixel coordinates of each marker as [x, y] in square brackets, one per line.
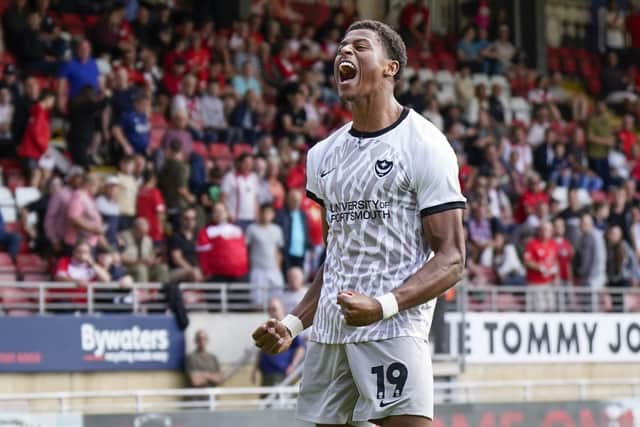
[84, 110]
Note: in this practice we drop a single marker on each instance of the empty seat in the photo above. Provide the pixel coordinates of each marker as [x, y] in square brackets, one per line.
[219, 151]
[241, 148]
[6, 263]
[155, 137]
[31, 263]
[200, 148]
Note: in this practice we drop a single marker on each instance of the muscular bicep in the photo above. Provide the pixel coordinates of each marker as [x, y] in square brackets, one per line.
[444, 233]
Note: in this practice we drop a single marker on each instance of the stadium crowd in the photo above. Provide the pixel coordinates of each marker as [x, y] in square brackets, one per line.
[142, 142]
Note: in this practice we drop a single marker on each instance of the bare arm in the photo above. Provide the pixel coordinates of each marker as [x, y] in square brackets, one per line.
[119, 136]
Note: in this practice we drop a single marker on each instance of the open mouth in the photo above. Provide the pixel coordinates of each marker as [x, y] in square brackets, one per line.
[346, 71]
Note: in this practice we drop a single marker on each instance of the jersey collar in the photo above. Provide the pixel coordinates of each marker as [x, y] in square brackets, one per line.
[377, 133]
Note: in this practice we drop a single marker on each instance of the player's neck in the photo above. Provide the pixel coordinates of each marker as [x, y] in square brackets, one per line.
[375, 112]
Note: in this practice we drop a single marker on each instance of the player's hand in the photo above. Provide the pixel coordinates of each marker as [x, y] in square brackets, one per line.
[358, 309]
[272, 337]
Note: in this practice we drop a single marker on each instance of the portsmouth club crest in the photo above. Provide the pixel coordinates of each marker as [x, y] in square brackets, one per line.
[383, 167]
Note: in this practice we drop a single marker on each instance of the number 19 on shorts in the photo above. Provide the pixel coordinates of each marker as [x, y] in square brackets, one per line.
[396, 375]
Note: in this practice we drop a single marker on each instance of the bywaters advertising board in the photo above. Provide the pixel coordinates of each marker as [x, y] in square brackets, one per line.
[86, 343]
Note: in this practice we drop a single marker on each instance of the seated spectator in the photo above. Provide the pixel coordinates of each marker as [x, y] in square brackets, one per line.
[36, 138]
[414, 96]
[240, 192]
[139, 255]
[600, 140]
[467, 50]
[84, 221]
[107, 204]
[275, 368]
[246, 80]
[187, 100]
[221, 249]
[79, 268]
[246, 116]
[202, 367]
[10, 242]
[505, 50]
[291, 121]
[479, 227]
[214, 121]
[465, 91]
[132, 130]
[265, 242]
[183, 258]
[173, 183]
[150, 205]
[541, 261]
[295, 289]
[502, 260]
[295, 229]
[173, 76]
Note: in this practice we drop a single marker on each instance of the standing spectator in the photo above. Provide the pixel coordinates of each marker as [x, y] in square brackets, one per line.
[565, 259]
[14, 23]
[35, 141]
[541, 261]
[55, 220]
[84, 111]
[295, 230]
[590, 260]
[265, 242]
[122, 95]
[504, 49]
[150, 205]
[275, 368]
[627, 136]
[173, 182]
[599, 141]
[132, 130]
[78, 72]
[612, 24]
[538, 129]
[202, 368]
[221, 248]
[139, 254]
[187, 100]
[414, 24]
[84, 221]
[633, 29]
[214, 120]
[9, 241]
[126, 196]
[622, 266]
[295, 290]
[107, 205]
[240, 189]
[467, 50]
[183, 258]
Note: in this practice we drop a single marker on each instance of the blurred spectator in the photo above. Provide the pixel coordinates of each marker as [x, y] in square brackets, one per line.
[432, 113]
[612, 24]
[84, 222]
[36, 138]
[465, 91]
[291, 121]
[295, 230]
[627, 136]
[246, 117]
[504, 50]
[622, 266]
[246, 80]
[479, 228]
[240, 192]
[202, 367]
[265, 242]
[467, 50]
[591, 257]
[221, 249]
[140, 256]
[150, 205]
[187, 100]
[178, 131]
[14, 23]
[295, 289]
[565, 260]
[275, 368]
[7, 146]
[616, 86]
[544, 154]
[79, 268]
[599, 141]
[414, 97]
[214, 121]
[78, 72]
[502, 260]
[9, 241]
[84, 112]
[183, 258]
[107, 204]
[132, 130]
[55, 220]
[173, 180]
[35, 230]
[126, 196]
[414, 24]
[632, 24]
[541, 261]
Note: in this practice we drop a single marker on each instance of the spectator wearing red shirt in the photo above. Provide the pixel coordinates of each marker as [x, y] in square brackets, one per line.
[565, 257]
[150, 206]
[173, 77]
[221, 249]
[541, 262]
[532, 197]
[414, 24]
[35, 141]
[79, 268]
[627, 136]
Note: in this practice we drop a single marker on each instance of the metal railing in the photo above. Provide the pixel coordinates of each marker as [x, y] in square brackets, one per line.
[284, 397]
[141, 298]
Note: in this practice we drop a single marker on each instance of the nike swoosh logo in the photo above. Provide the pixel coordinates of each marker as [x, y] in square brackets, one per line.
[383, 403]
[325, 173]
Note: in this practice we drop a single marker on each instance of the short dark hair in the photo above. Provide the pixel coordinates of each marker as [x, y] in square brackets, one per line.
[391, 40]
[266, 205]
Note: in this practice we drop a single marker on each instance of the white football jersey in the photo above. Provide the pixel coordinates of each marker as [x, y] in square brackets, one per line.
[376, 187]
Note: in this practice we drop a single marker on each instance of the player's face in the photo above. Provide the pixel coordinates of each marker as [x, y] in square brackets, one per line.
[360, 63]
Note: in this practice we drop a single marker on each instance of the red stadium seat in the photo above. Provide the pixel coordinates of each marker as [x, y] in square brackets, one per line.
[240, 148]
[155, 137]
[6, 263]
[201, 149]
[219, 151]
[157, 120]
[72, 23]
[31, 263]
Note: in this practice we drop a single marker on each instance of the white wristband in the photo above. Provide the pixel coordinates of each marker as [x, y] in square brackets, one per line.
[389, 305]
[293, 324]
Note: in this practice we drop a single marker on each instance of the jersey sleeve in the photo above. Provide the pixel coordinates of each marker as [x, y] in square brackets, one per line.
[313, 189]
[436, 175]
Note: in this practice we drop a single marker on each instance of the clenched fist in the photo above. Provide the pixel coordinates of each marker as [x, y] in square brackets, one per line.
[358, 309]
[272, 337]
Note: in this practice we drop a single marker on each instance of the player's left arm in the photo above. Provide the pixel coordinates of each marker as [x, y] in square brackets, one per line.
[445, 233]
